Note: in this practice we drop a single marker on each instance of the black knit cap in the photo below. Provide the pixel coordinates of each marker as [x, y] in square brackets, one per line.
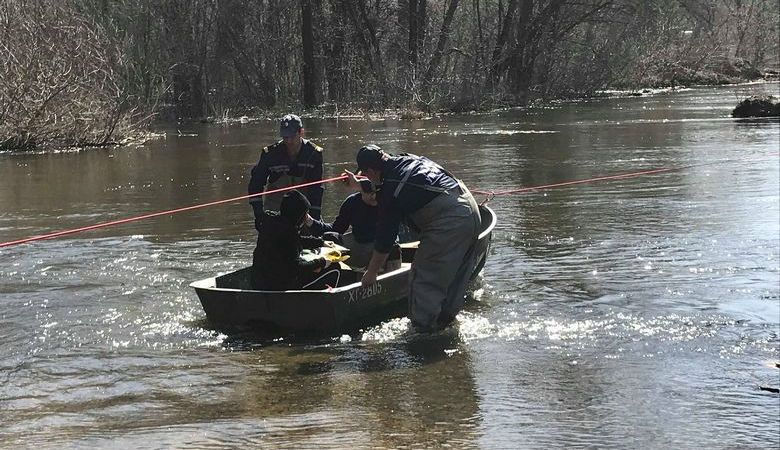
[369, 157]
[294, 206]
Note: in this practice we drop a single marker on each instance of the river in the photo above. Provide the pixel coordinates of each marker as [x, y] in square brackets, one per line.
[634, 313]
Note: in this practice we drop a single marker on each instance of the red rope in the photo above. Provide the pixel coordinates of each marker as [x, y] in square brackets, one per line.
[491, 194]
[162, 213]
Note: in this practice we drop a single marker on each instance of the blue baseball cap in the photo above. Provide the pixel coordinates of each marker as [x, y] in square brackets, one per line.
[290, 125]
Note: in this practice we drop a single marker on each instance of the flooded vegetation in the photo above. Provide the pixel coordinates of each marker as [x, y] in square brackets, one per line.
[635, 312]
[81, 73]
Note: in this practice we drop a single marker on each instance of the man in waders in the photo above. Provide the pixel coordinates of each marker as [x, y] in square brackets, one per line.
[293, 160]
[419, 191]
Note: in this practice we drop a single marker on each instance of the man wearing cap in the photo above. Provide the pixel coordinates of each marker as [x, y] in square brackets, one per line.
[277, 264]
[358, 212]
[291, 161]
[425, 195]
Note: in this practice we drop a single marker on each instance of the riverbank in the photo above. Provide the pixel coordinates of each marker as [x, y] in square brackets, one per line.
[357, 112]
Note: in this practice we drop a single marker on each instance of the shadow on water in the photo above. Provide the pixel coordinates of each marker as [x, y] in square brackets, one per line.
[409, 350]
[253, 337]
[757, 120]
[416, 390]
[424, 347]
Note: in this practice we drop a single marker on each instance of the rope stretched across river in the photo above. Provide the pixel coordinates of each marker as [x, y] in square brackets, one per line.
[489, 195]
[163, 213]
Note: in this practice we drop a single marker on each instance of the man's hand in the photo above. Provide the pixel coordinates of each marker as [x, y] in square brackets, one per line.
[369, 278]
[374, 266]
[353, 180]
[325, 265]
[308, 220]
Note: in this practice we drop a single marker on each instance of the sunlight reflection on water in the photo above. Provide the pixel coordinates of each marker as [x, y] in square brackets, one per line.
[641, 312]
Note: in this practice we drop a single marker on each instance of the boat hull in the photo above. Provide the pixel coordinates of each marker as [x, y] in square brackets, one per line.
[229, 299]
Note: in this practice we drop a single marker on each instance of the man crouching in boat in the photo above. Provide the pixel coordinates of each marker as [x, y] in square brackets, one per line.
[277, 264]
[420, 191]
[358, 212]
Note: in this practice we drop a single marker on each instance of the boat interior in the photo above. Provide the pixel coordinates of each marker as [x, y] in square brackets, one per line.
[341, 273]
[338, 274]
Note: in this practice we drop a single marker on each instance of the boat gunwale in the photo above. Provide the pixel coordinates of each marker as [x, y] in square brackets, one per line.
[211, 282]
[493, 221]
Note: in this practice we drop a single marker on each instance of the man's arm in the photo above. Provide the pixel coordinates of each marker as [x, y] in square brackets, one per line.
[318, 227]
[386, 234]
[314, 193]
[257, 184]
[344, 218]
[311, 242]
[378, 261]
[388, 222]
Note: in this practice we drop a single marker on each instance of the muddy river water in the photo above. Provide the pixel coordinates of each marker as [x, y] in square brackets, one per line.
[634, 313]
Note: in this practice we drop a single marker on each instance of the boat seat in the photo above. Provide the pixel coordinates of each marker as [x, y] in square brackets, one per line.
[408, 249]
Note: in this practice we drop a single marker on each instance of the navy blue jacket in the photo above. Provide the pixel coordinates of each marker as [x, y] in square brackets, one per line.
[275, 162]
[276, 263]
[353, 212]
[408, 183]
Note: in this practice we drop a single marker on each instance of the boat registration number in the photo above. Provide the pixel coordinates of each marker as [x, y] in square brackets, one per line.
[365, 292]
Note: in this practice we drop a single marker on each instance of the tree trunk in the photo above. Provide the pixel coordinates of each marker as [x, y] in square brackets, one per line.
[412, 12]
[498, 63]
[368, 43]
[520, 61]
[310, 79]
[412, 16]
[438, 54]
[336, 75]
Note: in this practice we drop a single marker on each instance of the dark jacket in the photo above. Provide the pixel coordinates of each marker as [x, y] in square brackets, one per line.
[408, 183]
[354, 212]
[275, 162]
[277, 264]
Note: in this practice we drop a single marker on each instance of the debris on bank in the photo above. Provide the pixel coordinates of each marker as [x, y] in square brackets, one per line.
[765, 106]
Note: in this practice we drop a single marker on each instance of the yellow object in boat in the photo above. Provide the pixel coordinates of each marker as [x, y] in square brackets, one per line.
[335, 256]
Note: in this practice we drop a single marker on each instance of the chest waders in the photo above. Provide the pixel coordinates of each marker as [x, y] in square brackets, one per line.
[449, 226]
